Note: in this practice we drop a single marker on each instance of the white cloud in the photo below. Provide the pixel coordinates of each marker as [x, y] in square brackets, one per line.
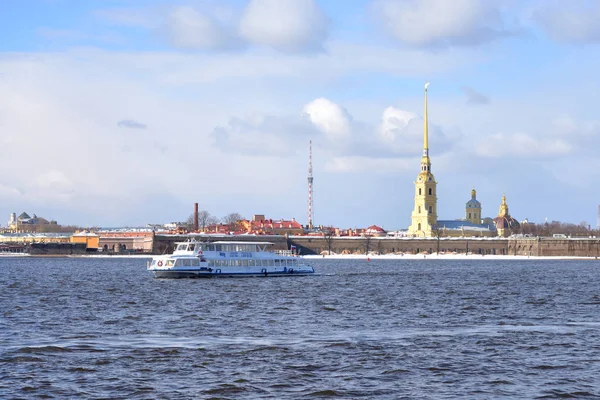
[575, 21]
[333, 120]
[332, 128]
[189, 28]
[442, 23]
[285, 25]
[402, 132]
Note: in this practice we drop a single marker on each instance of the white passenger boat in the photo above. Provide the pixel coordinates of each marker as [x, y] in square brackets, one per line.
[194, 259]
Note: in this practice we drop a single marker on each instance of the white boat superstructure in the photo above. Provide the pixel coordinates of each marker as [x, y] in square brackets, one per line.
[194, 259]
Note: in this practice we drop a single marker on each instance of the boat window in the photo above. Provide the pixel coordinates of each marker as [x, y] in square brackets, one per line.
[211, 263]
[191, 247]
[170, 263]
[218, 247]
[277, 263]
[187, 263]
[181, 247]
[244, 263]
[238, 263]
[271, 263]
[251, 263]
[195, 262]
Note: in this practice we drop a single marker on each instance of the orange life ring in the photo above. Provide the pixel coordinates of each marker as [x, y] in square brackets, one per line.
[159, 263]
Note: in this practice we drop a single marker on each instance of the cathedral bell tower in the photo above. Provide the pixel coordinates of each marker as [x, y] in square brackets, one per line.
[424, 215]
[473, 209]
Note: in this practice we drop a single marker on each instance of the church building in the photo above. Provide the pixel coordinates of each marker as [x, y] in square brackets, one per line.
[424, 222]
[424, 215]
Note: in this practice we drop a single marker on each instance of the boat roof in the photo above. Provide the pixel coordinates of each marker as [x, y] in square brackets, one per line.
[224, 242]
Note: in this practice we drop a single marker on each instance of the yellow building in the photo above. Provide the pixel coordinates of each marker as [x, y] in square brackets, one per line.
[473, 209]
[424, 215]
[91, 240]
[31, 237]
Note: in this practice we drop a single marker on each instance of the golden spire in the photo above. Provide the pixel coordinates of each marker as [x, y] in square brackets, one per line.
[426, 134]
[503, 207]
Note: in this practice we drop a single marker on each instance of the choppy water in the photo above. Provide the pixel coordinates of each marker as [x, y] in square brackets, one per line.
[100, 328]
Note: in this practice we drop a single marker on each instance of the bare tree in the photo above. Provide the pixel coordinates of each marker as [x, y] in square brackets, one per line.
[437, 232]
[368, 239]
[232, 220]
[328, 235]
[205, 219]
[379, 246]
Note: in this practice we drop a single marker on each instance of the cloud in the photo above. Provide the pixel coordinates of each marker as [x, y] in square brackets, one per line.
[189, 28]
[442, 23]
[474, 97]
[333, 129]
[333, 120]
[289, 26]
[285, 25]
[354, 164]
[129, 123]
[575, 21]
[521, 145]
[401, 132]
[263, 135]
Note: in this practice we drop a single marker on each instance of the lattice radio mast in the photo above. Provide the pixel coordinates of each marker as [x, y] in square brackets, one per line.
[310, 187]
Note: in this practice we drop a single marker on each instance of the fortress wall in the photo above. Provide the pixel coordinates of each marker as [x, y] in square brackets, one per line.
[584, 247]
[359, 245]
[558, 247]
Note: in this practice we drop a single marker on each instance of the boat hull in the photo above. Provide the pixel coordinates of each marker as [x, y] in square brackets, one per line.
[223, 273]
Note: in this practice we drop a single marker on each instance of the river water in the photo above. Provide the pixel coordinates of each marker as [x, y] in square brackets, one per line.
[422, 329]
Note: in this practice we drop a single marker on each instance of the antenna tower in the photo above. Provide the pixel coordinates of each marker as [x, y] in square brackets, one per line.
[310, 187]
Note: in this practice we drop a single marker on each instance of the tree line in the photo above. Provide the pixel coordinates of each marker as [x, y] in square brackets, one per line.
[556, 227]
[206, 219]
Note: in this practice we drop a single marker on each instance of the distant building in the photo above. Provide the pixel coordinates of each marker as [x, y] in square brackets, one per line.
[26, 223]
[473, 209]
[505, 224]
[471, 225]
[260, 225]
[424, 215]
[375, 230]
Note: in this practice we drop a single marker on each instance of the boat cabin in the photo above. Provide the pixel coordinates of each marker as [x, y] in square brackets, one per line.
[193, 248]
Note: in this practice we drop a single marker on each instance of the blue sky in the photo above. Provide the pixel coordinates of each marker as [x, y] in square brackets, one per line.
[127, 112]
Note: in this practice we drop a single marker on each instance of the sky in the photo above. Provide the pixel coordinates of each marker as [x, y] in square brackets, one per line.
[126, 112]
